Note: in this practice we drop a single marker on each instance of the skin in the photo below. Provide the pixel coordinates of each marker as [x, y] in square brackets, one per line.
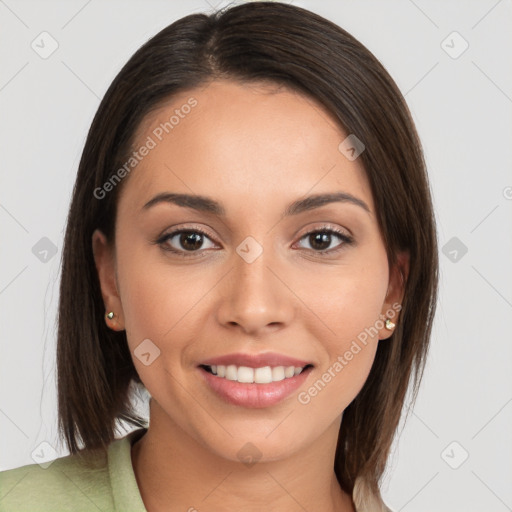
[255, 149]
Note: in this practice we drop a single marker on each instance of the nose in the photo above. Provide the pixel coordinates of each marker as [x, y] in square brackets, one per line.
[255, 297]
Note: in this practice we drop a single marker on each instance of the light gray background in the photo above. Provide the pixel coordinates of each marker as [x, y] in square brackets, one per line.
[462, 107]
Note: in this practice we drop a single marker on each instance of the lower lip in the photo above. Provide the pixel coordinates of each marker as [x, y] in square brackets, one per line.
[254, 395]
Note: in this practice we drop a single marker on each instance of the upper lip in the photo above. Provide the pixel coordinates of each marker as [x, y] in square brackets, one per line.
[255, 360]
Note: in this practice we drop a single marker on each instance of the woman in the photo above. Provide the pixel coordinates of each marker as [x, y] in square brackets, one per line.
[251, 240]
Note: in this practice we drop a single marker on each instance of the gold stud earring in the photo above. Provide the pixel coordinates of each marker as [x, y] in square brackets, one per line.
[109, 315]
[389, 324]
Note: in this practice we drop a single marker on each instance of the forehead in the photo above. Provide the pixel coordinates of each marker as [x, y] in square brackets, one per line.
[253, 141]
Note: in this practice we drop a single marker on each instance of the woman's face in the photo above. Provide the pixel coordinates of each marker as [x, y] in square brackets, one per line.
[265, 271]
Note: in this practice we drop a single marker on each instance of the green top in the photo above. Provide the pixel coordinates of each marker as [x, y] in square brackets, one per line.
[103, 482]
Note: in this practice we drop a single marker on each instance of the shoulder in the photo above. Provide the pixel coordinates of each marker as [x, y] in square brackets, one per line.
[366, 500]
[75, 482]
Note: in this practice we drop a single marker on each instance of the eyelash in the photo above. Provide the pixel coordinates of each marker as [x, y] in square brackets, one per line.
[162, 241]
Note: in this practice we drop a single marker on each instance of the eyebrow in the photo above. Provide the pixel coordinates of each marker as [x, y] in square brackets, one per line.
[208, 205]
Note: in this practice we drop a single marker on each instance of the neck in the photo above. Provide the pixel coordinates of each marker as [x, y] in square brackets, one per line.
[175, 472]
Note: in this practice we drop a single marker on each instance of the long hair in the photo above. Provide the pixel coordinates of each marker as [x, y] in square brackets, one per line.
[293, 47]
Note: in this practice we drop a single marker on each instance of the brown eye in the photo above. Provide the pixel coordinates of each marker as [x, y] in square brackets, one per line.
[321, 240]
[182, 241]
[191, 241]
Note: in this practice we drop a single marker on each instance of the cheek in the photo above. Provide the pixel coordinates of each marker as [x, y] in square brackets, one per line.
[155, 309]
[351, 300]
[338, 381]
[349, 306]
[159, 301]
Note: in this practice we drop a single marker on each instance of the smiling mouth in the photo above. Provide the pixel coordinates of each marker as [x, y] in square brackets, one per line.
[261, 375]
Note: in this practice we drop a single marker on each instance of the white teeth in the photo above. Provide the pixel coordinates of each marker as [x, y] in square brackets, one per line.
[231, 372]
[245, 374]
[289, 371]
[263, 375]
[277, 373]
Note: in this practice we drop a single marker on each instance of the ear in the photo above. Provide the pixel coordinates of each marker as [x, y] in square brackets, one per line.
[104, 258]
[392, 306]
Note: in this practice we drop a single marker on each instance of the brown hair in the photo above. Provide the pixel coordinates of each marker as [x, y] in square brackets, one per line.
[290, 46]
